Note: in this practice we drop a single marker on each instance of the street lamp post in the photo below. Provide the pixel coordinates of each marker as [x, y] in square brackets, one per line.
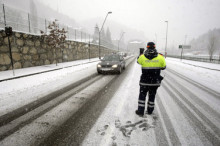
[182, 48]
[120, 40]
[166, 40]
[100, 33]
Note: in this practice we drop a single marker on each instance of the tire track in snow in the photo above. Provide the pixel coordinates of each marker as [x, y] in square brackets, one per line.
[197, 102]
[167, 126]
[107, 140]
[207, 89]
[179, 119]
[199, 122]
[73, 131]
[41, 128]
[27, 118]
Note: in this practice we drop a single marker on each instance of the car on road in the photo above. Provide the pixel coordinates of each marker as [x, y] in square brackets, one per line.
[112, 63]
[122, 54]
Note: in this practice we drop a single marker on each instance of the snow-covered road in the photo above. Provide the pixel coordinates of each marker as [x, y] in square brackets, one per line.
[187, 106]
[185, 114]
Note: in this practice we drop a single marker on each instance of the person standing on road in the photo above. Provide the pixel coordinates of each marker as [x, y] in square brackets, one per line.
[152, 63]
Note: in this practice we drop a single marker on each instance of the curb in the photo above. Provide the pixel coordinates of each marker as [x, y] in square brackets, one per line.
[17, 77]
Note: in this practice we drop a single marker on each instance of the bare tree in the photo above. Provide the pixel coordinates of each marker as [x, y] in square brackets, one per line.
[55, 38]
[211, 45]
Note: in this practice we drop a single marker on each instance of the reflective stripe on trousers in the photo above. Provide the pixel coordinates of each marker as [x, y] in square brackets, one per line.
[145, 84]
[141, 103]
[142, 97]
[150, 104]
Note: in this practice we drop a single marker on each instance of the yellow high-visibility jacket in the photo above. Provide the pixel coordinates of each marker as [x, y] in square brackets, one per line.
[151, 69]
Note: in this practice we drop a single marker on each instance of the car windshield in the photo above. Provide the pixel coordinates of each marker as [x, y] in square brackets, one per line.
[111, 58]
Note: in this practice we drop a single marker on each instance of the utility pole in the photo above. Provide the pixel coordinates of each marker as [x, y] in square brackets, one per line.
[100, 33]
[166, 40]
[120, 40]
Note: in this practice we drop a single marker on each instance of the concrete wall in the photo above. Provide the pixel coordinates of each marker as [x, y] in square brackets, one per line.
[30, 50]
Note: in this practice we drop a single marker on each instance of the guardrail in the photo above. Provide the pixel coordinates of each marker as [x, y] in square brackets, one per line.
[202, 58]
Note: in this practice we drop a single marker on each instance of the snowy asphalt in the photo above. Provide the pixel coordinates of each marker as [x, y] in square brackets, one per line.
[187, 111]
[67, 100]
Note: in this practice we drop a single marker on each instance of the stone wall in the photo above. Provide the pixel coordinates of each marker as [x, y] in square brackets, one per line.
[31, 50]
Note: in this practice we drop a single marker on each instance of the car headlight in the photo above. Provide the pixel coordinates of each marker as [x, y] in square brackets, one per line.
[99, 65]
[114, 66]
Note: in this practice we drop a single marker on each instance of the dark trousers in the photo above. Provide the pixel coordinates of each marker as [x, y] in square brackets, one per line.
[151, 90]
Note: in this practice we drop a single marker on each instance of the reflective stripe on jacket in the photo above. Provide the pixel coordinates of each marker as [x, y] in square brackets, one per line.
[151, 70]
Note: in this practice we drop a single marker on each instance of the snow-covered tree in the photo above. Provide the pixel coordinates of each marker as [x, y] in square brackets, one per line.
[108, 36]
[207, 43]
[55, 38]
[211, 44]
[95, 38]
[103, 37]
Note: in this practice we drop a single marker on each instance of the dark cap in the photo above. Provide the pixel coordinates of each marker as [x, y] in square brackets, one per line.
[150, 45]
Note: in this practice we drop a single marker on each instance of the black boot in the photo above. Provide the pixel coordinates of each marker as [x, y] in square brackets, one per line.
[149, 110]
[139, 113]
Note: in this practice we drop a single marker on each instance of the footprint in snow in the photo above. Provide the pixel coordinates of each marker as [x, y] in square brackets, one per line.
[144, 124]
[128, 127]
[117, 123]
[102, 130]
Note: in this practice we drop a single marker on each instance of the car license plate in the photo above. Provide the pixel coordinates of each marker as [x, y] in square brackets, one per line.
[106, 69]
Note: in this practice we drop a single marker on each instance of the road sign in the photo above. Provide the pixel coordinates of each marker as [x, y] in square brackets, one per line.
[184, 47]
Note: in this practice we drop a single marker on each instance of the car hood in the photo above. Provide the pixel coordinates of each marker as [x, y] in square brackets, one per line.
[109, 62]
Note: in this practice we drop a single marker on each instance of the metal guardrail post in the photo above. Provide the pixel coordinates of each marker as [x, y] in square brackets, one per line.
[4, 14]
[85, 37]
[99, 46]
[67, 29]
[81, 36]
[46, 26]
[89, 47]
[12, 63]
[9, 32]
[75, 34]
[29, 23]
